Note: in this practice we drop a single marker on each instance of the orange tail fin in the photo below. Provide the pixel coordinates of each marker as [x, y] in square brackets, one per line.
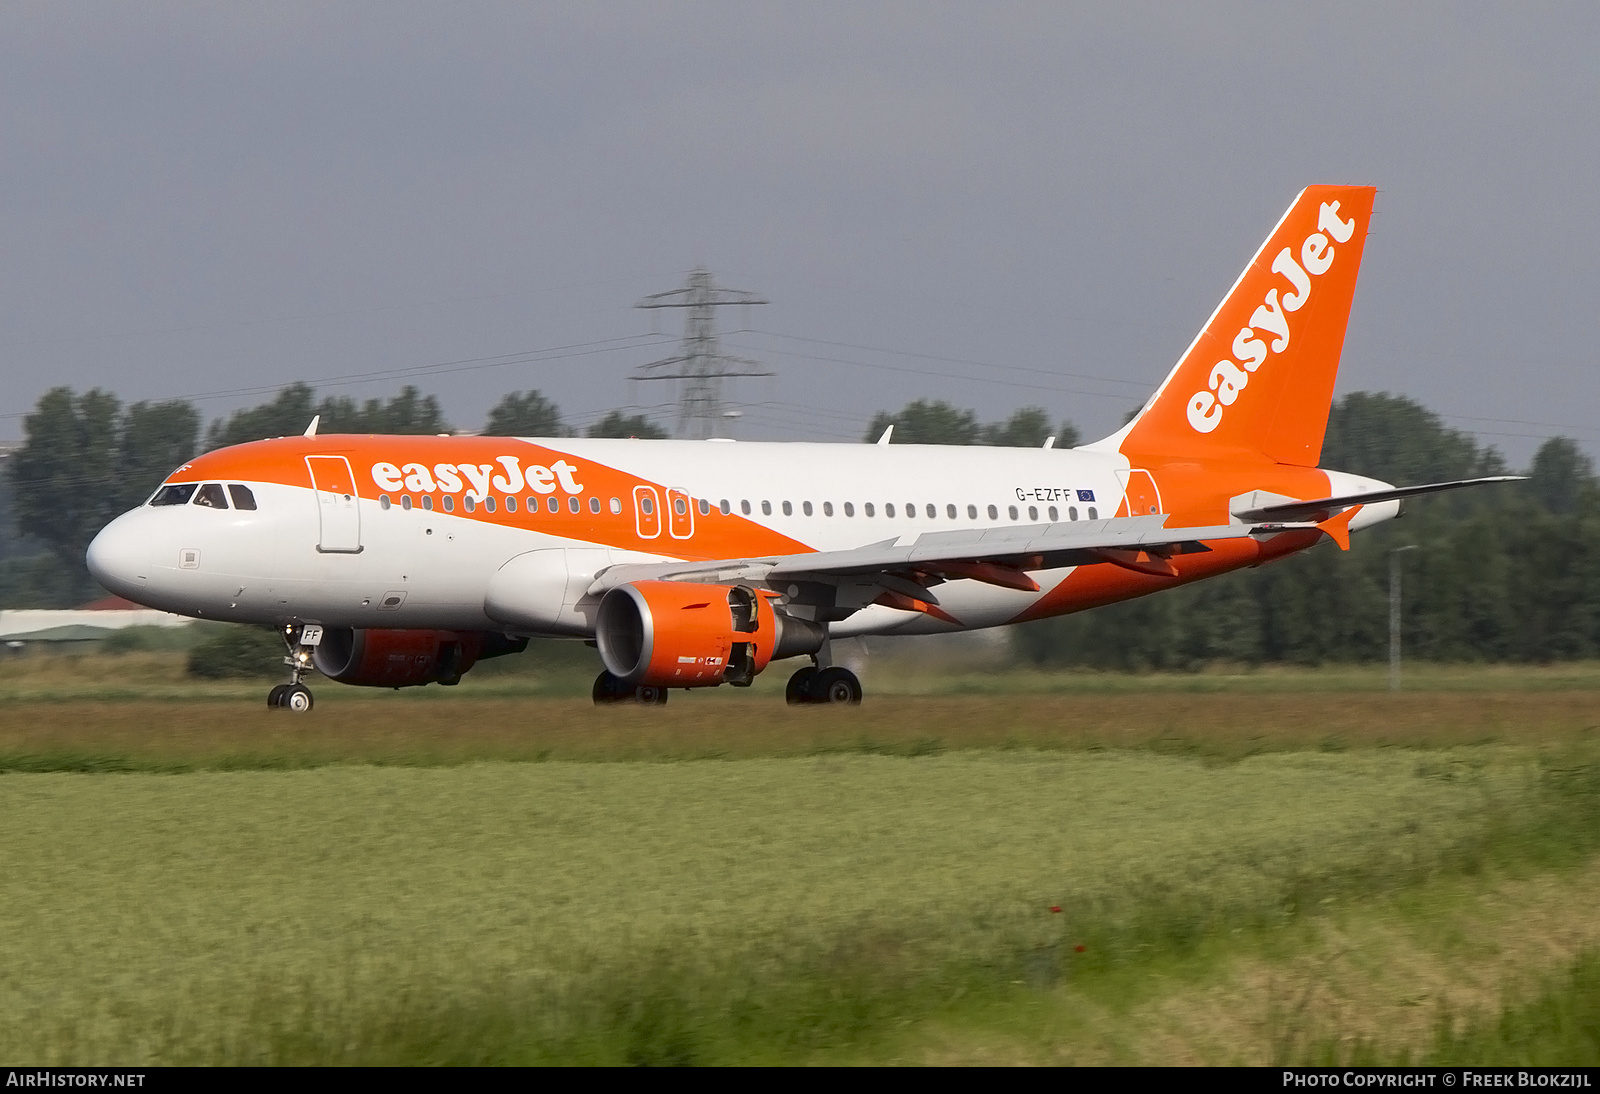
[1258, 380]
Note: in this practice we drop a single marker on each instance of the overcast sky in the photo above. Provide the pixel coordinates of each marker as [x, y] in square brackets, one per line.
[997, 205]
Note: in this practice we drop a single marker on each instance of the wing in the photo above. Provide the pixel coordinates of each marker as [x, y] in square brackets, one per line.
[899, 574]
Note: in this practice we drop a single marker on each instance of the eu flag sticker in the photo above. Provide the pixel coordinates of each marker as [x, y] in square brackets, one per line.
[1085, 495]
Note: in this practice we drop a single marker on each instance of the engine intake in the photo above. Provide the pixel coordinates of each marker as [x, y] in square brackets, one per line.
[688, 635]
[405, 658]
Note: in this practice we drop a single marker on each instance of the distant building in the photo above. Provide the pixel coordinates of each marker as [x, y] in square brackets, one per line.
[89, 623]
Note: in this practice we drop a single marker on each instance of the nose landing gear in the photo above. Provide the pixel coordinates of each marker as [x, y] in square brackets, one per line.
[295, 696]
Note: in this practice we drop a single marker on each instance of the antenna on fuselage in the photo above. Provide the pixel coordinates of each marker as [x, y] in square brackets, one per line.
[1050, 442]
[311, 430]
[885, 438]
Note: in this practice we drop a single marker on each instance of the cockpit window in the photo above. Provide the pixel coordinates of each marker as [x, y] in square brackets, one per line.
[241, 495]
[211, 495]
[174, 493]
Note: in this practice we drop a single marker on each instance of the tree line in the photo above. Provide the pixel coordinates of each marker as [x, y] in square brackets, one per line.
[1501, 573]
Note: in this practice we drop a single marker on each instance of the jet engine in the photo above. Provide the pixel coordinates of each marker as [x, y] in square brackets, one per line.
[400, 659]
[688, 635]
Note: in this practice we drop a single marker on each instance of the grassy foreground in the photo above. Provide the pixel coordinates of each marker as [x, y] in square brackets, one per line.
[1248, 872]
[843, 907]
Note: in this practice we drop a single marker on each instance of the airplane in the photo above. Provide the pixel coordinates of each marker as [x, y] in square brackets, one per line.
[397, 561]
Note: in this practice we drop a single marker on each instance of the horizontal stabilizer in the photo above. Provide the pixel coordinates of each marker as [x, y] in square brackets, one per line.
[1320, 508]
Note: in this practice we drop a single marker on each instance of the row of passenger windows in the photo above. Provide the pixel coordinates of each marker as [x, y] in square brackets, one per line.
[680, 506]
[470, 504]
[210, 495]
[951, 512]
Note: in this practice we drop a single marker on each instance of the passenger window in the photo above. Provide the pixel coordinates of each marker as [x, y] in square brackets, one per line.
[1094, 514]
[427, 503]
[177, 493]
[950, 511]
[1072, 512]
[469, 504]
[972, 512]
[1012, 512]
[241, 495]
[1033, 512]
[488, 505]
[616, 506]
[705, 507]
[1053, 514]
[647, 504]
[680, 507]
[594, 505]
[572, 505]
[827, 508]
[212, 496]
[788, 510]
[806, 507]
[849, 509]
[726, 507]
[911, 509]
[554, 506]
[511, 505]
[383, 502]
[766, 508]
[933, 512]
[405, 502]
[867, 509]
[994, 514]
[449, 503]
[888, 509]
[744, 507]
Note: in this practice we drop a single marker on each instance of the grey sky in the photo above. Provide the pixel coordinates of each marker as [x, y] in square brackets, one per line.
[207, 198]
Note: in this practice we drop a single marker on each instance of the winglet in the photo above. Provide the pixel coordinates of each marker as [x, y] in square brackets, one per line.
[311, 430]
[885, 438]
[1338, 527]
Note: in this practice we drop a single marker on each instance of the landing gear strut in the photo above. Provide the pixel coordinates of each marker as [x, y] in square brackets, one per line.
[830, 685]
[609, 689]
[294, 695]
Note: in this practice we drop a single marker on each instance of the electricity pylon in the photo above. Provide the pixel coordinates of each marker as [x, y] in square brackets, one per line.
[702, 366]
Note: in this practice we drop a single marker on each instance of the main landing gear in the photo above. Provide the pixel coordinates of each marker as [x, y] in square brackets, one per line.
[830, 685]
[294, 695]
[809, 685]
[609, 689]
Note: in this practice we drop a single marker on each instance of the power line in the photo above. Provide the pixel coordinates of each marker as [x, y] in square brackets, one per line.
[904, 369]
[1141, 384]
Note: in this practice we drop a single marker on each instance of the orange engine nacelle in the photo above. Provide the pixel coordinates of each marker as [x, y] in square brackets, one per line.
[400, 659]
[679, 634]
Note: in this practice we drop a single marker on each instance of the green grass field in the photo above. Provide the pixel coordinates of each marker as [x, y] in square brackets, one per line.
[1248, 867]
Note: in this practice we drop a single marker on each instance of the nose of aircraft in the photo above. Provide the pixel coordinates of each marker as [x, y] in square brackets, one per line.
[119, 557]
